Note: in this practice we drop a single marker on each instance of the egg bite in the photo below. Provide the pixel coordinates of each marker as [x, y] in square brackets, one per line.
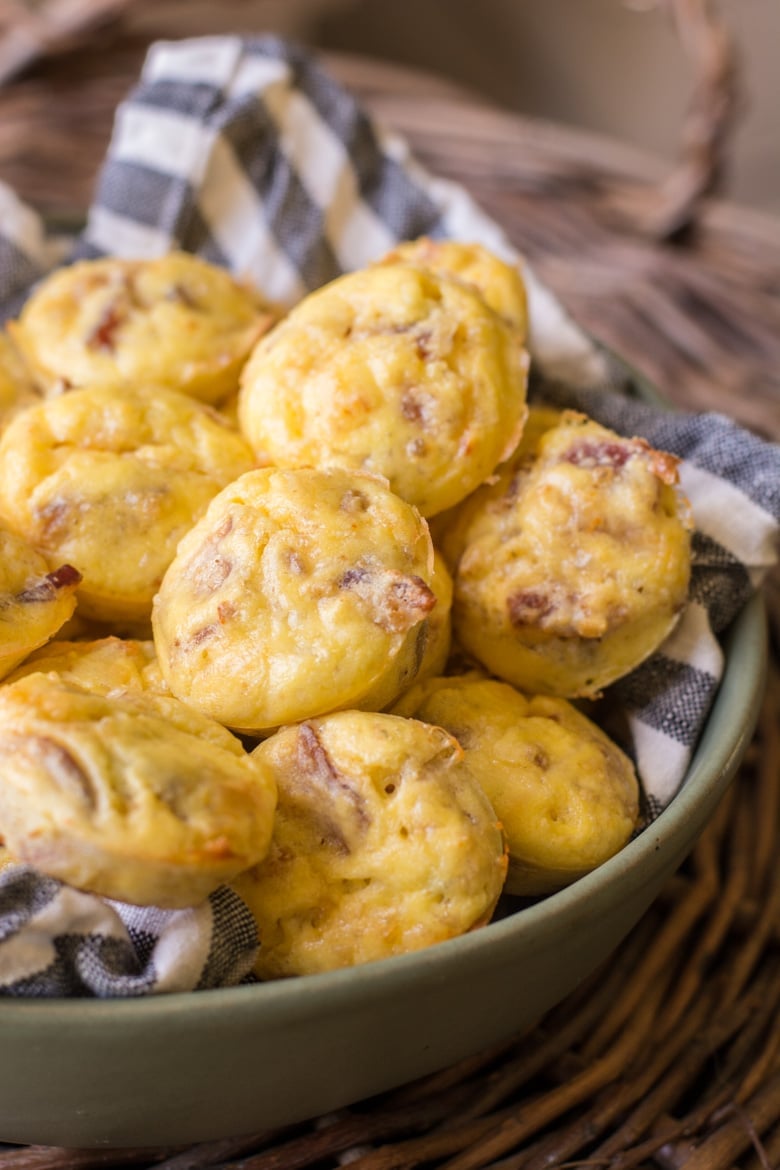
[573, 566]
[499, 283]
[110, 483]
[102, 664]
[299, 592]
[34, 602]
[394, 370]
[382, 844]
[566, 795]
[175, 321]
[131, 796]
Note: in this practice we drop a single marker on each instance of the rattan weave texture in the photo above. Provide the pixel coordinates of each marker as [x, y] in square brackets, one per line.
[625, 1073]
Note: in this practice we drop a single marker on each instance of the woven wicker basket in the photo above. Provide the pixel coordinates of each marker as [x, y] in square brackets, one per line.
[626, 1072]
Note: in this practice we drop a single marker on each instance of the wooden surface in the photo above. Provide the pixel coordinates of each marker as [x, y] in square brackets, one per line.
[671, 1057]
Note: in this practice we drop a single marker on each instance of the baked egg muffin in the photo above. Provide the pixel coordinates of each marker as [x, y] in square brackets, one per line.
[299, 592]
[566, 795]
[176, 321]
[394, 370]
[382, 844]
[131, 796]
[573, 566]
[103, 664]
[110, 483]
[34, 602]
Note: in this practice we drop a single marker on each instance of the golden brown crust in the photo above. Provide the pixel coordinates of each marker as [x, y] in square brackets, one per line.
[393, 370]
[110, 484]
[102, 665]
[567, 797]
[176, 321]
[498, 283]
[298, 593]
[574, 565]
[131, 796]
[382, 844]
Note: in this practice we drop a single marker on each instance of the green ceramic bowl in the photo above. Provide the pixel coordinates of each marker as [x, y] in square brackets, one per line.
[191, 1067]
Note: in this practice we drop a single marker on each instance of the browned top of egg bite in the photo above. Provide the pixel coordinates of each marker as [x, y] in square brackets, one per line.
[394, 370]
[574, 565]
[130, 795]
[299, 592]
[110, 482]
[383, 843]
[175, 321]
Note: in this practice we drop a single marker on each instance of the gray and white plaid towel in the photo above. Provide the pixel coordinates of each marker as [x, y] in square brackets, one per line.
[246, 152]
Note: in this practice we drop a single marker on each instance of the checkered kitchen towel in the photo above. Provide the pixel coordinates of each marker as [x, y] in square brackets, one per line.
[246, 152]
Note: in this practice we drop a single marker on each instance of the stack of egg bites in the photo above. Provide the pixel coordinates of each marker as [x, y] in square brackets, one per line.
[303, 603]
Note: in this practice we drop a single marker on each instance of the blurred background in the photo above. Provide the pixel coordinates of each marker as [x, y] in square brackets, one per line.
[608, 65]
[630, 69]
[620, 67]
